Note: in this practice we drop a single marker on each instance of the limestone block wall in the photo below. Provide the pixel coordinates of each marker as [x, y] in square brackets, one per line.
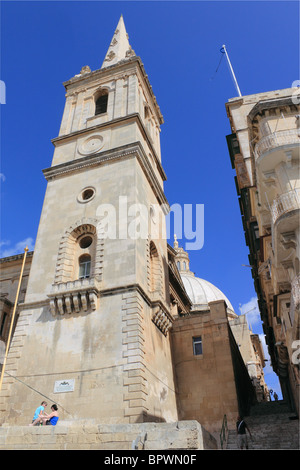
[57, 218]
[10, 274]
[47, 349]
[188, 435]
[205, 382]
[119, 360]
[149, 390]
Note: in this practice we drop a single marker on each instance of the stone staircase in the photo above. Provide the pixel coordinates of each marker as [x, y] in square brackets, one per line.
[272, 426]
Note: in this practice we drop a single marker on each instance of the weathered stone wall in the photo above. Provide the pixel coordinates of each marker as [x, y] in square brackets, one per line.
[188, 435]
[206, 383]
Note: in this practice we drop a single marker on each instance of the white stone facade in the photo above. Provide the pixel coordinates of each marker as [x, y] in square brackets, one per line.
[266, 132]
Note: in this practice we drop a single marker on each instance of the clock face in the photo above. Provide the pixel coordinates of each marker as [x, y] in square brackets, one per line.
[91, 145]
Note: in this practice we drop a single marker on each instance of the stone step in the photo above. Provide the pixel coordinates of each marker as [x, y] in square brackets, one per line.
[270, 408]
[272, 426]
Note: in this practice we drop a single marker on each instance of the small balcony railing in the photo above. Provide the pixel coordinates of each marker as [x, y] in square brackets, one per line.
[277, 139]
[74, 296]
[284, 203]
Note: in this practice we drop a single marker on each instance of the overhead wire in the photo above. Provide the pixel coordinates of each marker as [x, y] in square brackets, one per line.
[37, 391]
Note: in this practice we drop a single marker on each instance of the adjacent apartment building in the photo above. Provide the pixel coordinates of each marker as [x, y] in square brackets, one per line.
[264, 151]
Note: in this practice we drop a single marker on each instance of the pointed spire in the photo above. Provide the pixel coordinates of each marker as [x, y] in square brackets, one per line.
[119, 48]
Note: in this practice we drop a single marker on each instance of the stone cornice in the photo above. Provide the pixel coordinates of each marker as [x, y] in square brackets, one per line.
[272, 103]
[106, 72]
[104, 293]
[134, 116]
[126, 151]
[17, 257]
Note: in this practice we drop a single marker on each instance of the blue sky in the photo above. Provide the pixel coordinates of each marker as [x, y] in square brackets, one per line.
[46, 43]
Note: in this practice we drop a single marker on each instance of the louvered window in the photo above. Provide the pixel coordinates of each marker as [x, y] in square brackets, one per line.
[101, 104]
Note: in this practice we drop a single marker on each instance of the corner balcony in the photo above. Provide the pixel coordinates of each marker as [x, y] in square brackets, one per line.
[286, 138]
[74, 296]
[285, 204]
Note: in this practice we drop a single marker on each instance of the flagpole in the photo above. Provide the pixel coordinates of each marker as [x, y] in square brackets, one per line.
[13, 317]
[231, 70]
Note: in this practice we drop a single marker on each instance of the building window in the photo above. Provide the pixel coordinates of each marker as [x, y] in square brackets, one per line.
[197, 346]
[3, 323]
[101, 104]
[86, 195]
[85, 242]
[84, 266]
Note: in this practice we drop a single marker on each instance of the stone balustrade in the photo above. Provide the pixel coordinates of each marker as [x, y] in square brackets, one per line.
[74, 296]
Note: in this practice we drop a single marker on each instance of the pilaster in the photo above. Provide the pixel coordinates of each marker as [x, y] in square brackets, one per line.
[134, 381]
[15, 352]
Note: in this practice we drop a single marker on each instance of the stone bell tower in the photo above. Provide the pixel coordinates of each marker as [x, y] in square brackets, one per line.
[92, 333]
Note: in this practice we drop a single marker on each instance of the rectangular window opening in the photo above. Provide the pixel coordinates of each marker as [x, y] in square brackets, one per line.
[197, 346]
[84, 269]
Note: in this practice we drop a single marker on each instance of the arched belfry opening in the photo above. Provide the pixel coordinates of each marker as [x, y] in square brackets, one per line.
[101, 100]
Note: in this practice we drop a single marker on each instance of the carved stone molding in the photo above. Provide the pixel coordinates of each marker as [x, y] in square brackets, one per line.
[288, 265]
[162, 320]
[288, 240]
[66, 248]
[91, 144]
[110, 56]
[74, 296]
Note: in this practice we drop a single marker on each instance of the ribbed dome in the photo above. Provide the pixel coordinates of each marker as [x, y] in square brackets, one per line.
[202, 292]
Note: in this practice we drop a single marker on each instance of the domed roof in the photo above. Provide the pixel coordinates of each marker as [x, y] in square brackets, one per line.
[202, 292]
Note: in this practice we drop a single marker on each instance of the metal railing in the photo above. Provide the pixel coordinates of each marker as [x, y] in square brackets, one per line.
[284, 203]
[276, 139]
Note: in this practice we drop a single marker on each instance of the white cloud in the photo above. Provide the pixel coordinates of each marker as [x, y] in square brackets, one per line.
[268, 369]
[255, 323]
[2, 177]
[17, 248]
[271, 378]
[252, 312]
